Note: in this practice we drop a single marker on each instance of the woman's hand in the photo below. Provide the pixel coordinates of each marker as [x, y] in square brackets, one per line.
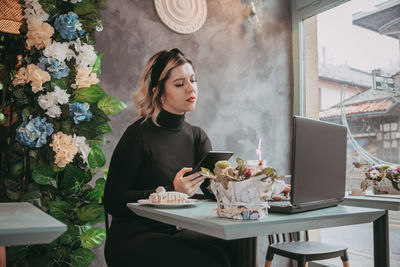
[188, 184]
[286, 190]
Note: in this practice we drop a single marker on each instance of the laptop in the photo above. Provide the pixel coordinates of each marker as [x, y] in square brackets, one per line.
[318, 166]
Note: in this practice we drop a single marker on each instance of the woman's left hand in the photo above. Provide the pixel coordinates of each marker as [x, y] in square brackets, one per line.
[188, 184]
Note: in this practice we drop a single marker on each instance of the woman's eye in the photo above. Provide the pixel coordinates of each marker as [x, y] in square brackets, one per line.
[179, 85]
[194, 81]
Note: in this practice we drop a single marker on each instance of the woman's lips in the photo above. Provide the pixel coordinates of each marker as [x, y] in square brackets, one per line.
[191, 99]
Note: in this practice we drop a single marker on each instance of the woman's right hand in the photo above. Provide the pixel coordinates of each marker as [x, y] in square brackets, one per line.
[188, 184]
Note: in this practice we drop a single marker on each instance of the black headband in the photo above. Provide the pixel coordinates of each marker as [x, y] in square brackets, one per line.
[160, 64]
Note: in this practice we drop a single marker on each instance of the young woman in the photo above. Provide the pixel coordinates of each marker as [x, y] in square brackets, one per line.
[155, 151]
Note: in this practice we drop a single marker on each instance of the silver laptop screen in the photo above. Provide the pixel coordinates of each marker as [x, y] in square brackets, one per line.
[318, 161]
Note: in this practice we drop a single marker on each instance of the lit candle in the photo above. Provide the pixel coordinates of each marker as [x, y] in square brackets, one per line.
[258, 150]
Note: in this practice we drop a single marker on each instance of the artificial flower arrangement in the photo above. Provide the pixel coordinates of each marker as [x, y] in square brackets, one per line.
[379, 173]
[58, 126]
[242, 192]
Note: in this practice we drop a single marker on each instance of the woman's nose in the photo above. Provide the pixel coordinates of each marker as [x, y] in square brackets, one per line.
[191, 87]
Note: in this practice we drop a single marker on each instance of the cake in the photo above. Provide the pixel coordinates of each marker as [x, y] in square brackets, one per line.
[162, 196]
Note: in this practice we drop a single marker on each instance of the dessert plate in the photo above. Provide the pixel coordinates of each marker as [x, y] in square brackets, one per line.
[189, 202]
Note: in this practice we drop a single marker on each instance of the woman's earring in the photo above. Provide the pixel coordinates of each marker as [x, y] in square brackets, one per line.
[162, 101]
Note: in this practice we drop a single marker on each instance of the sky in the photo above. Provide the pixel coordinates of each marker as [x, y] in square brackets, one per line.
[357, 47]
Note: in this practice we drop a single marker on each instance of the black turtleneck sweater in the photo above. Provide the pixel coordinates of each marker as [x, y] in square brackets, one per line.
[148, 156]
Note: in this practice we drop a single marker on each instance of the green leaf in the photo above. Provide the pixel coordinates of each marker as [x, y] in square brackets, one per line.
[16, 170]
[97, 141]
[59, 210]
[62, 83]
[69, 236]
[98, 191]
[13, 195]
[88, 129]
[96, 157]
[82, 257]
[75, 173]
[83, 228]
[105, 128]
[99, 117]
[93, 237]
[84, 7]
[90, 94]
[88, 14]
[97, 64]
[33, 194]
[111, 105]
[43, 174]
[101, 181]
[49, 6]
[74, 177]
[91, 213]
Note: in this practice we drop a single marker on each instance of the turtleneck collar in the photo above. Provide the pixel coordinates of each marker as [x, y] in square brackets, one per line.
[170, 121]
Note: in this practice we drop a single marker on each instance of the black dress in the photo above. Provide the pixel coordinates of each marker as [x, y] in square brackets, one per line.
[146, 157]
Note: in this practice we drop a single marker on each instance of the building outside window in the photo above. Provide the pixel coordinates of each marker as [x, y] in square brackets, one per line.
[350, 74]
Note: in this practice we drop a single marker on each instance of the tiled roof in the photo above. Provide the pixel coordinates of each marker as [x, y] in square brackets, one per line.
[367, 107]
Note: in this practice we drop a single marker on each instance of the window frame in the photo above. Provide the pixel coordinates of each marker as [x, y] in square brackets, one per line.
[301, 10]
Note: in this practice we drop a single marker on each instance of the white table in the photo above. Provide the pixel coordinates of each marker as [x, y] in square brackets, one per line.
[203, 219]
[21, 223]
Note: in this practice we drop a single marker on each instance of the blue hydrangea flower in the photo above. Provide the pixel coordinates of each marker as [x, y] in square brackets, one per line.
[35, 133]
[68, 26]
[80, 111]
[56, 68]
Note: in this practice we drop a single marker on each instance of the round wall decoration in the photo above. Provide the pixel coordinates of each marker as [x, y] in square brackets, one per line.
[182, 16]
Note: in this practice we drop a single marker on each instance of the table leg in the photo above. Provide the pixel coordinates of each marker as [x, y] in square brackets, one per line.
[247, 252]
[381, 241]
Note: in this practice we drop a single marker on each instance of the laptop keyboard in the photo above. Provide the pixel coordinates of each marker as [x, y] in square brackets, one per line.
[280, 203]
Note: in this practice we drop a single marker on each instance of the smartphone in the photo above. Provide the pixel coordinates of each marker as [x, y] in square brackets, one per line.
[209, 160]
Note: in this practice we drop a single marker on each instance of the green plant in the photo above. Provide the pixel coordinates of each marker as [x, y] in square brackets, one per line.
[57, 118]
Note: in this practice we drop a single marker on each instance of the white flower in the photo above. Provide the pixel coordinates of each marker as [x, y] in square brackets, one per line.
[78, 26]
[83, 147]
[59, 51]
[374, 174]
[53, 111]
[86, 56]
[46, 101]
[61, 95]
[50, 101]
[99, 26]
[34, 10]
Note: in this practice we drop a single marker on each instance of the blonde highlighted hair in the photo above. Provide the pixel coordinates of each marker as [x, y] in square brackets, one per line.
[147, 98]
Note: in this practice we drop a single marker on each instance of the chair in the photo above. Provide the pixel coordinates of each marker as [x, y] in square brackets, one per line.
[296, 246]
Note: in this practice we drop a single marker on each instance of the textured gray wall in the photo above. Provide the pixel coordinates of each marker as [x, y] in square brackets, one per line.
[244, 72]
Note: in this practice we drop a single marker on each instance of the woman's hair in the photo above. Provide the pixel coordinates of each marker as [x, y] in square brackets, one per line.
[152, 82]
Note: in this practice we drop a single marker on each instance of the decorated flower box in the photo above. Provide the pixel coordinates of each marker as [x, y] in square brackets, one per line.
[384, 179]
[243, 192]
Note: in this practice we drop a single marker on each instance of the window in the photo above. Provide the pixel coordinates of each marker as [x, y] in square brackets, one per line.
[347, 71]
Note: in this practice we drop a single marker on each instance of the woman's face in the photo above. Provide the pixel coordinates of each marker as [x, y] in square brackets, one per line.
[180, 94]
